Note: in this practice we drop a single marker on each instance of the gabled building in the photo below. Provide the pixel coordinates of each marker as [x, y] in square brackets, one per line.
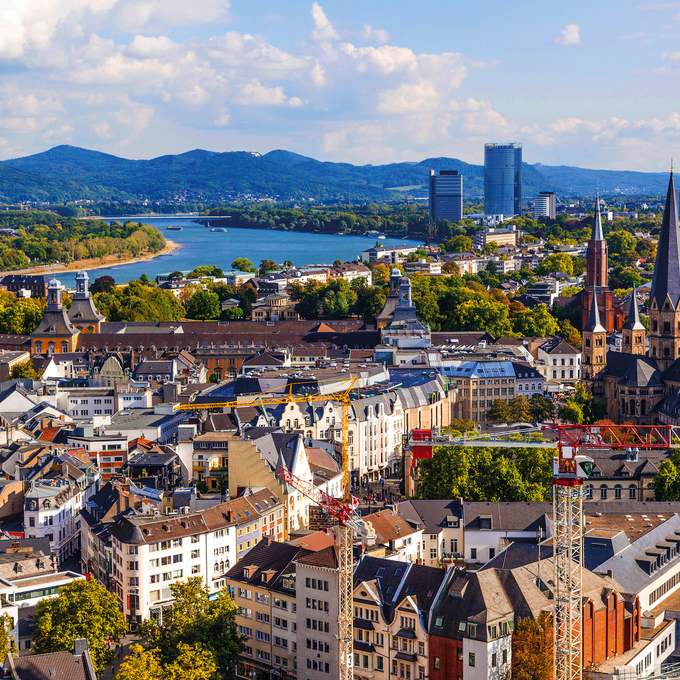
[55, 333]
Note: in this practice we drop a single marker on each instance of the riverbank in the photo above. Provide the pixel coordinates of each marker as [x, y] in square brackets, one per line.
[90, 264]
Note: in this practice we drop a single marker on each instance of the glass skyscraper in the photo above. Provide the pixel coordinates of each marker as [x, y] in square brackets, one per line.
[502, 179]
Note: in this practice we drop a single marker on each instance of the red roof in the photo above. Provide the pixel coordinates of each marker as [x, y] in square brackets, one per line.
[49, 433]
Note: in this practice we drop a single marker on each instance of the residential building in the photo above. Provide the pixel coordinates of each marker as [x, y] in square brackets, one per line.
[51, 508]
[392, 604]
[422, 266]
[158, 424]
[109, 452]
[396, 533]
[263, 586]
[37, 285]
[503, 179]
[318, 613]
[443, 539]
[558, 361]
[76, 665]
[446, 196]
[87, 402]
[152, 551]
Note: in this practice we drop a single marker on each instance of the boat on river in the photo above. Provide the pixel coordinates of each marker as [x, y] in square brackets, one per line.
[219, 229]
[174, 228]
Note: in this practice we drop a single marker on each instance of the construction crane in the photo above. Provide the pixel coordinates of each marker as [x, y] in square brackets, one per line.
[570, 468]
[348, 521]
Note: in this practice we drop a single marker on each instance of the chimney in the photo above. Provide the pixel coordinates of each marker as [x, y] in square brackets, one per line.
[79, 646]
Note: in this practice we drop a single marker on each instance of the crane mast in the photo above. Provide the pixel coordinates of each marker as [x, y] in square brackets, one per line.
[348, 521]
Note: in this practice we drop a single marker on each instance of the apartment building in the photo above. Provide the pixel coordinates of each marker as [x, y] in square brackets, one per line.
[51, 509]
[391, 617]
[317, 599]
[109, 452]
[150, 552]
[558, 361]
[263, 586]
[87, 402]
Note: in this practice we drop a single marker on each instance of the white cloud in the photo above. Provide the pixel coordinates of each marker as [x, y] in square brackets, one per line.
[370, 34]
[571, 35]
[257, 94]
[102, 130]
[222, 119]
[323, 28]
[318, 75]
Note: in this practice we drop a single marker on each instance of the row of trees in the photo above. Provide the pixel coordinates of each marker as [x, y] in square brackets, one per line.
[46, 237]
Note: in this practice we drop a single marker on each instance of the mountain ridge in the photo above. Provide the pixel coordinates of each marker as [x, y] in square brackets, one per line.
[67, 173]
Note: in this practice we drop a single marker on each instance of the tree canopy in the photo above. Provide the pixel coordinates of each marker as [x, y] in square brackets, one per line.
[196, 621]
[83, 609]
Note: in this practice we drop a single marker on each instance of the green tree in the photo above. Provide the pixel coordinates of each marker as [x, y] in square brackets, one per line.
[175, 275]
[370, 301]
[203, 305]
[570, 333]
[205, 271]
[266, 266]
[532, 649]
[7, 643]
[499, 412]
[223, 484]
[459, 244]
[212, 378]
[307, 297]
[243, 264]
[144, 280]
[102, 284]
[667, 482]
[231, 314]
[21, 317]
[339, 299]
[192, 663]
[83, 609]
[483, 315]
[542, 408]
[620, 241]
[193, 619]
[489, 248]
[571, 412]
[24, 370]
[537, 323]
[141, 664]
[557, 262]
[520, 407]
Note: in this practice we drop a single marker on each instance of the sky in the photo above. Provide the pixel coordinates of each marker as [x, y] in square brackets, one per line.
[592, 84]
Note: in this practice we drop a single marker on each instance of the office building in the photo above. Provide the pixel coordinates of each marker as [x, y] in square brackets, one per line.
[503, 237]
[544, 205]
[446, 195]
[502, 179]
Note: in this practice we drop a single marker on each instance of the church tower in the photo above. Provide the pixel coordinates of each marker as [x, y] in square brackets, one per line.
[594, 345]
[597, 279]
[633, 332]
[597, 258]
[83, 314]
[55, 333]
[664, 298]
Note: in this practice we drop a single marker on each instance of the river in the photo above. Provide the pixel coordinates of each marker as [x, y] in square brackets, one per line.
[200, 246]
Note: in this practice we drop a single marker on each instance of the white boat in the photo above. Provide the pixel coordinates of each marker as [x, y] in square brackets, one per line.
[219, 229]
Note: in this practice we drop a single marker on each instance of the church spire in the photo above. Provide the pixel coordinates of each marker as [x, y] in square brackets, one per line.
[633, 323]
[666, 281]
[594, 325]
[598, 233]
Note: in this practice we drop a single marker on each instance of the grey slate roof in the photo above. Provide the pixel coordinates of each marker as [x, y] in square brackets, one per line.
[508, 516]
[627, 570]
[642, 373]
[594, 325]
[666, 281]
[430, 514]
[598, 233]
[633, 322]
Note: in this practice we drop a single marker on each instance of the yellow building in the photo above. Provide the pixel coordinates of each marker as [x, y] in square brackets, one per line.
[55, 334]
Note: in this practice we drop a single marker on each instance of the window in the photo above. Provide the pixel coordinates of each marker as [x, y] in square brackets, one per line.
[493, 660]
[632, 491]
[617, 491]
[505, 656]
[603, 492]
[436, 662]
[471, 660]
[473, 553]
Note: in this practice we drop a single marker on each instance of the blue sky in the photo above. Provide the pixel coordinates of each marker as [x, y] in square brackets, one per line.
[592, 84]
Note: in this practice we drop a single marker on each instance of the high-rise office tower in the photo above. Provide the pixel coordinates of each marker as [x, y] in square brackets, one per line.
[446, 195]
[544, 205]
[502, 179]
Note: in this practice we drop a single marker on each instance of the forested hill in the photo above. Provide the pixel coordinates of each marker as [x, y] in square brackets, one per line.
[67, 173]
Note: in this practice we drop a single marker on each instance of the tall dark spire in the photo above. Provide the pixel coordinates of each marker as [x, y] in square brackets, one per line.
[594, 325]
[633, 322]
[666, 281]
[598, 233]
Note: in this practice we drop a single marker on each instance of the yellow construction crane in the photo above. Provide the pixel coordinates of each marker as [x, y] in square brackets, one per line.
[348, 522]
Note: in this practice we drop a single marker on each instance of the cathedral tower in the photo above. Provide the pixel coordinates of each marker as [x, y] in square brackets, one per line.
[633, 341]
[664, 298]
[594, 345]
[597, 258]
